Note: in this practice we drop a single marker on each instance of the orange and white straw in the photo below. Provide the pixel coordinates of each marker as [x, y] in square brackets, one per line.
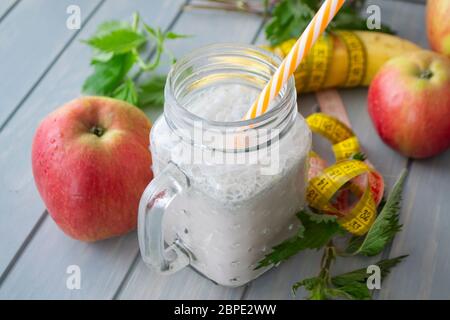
[287, 68]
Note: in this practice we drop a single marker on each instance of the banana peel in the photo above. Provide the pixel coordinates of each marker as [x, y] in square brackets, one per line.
[345, 58]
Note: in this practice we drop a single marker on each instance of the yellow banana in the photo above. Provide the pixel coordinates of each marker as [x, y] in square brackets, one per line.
[345, 58]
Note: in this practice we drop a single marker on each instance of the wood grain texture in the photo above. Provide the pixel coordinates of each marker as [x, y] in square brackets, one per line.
[28, 50]
[206, 26]
[426, 236]
[41, 273]
[21, 204]
[144, 283]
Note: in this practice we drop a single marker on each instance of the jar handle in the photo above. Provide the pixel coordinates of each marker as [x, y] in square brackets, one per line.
[154, 202]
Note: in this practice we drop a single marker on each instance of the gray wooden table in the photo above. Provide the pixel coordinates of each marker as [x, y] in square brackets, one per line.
[43, 65]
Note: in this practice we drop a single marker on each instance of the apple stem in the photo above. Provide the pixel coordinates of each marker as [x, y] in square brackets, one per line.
[98, 131]
[426, 74]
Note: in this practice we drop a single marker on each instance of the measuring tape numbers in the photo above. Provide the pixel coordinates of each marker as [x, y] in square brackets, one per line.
[357, 54]
[345, 175]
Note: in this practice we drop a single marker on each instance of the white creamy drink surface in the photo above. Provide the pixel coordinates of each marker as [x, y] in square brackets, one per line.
[232, 215]
[225, 103]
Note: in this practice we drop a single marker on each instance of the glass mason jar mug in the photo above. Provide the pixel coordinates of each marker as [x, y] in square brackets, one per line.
[224, 193]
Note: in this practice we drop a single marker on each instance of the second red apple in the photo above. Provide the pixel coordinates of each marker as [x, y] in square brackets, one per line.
[409, 103]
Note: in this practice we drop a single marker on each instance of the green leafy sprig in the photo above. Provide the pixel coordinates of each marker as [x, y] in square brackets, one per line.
[386, 225]
[314, 232]
[318, 230]
[351, 285]
[291, 17]
[117, 62]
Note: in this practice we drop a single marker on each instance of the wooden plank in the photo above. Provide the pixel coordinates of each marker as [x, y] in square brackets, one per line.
[185, 284]
[207, 27]
[28, 51]
[21, 204]
[41, 273]
[425, 236]
[5, 6]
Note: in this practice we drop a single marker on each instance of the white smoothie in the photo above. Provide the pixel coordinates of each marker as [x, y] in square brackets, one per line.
[232, 215]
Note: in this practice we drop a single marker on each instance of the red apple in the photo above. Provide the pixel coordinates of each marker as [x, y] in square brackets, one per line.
[438, 25]
[91, 163]
[409, 103]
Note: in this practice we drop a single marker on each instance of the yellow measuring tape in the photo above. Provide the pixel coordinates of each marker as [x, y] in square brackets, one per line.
[312, 72]
[345, 143]
[324, 184]
[357, 58]
[323, 187]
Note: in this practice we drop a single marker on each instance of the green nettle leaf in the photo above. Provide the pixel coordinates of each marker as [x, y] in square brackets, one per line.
[354, 291]
[151, 93]
[291, 17]
[354, 283]
[116, 47]
[354, 243]
[386, 224]
[288, 20]
[102, 30]
[350, 285]
[315, 285]
[108, 75]
[117, 41]
[172, 35]
[360, 275]
[100, 56]
[107, 27]
[360, 156]
[127, 92]
[322, 218]
[160, 38]
[314, 234]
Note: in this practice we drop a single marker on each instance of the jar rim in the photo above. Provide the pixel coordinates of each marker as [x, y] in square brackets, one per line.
[269, 58]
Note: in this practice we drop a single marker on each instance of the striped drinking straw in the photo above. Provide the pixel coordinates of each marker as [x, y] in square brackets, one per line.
[315, 28]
